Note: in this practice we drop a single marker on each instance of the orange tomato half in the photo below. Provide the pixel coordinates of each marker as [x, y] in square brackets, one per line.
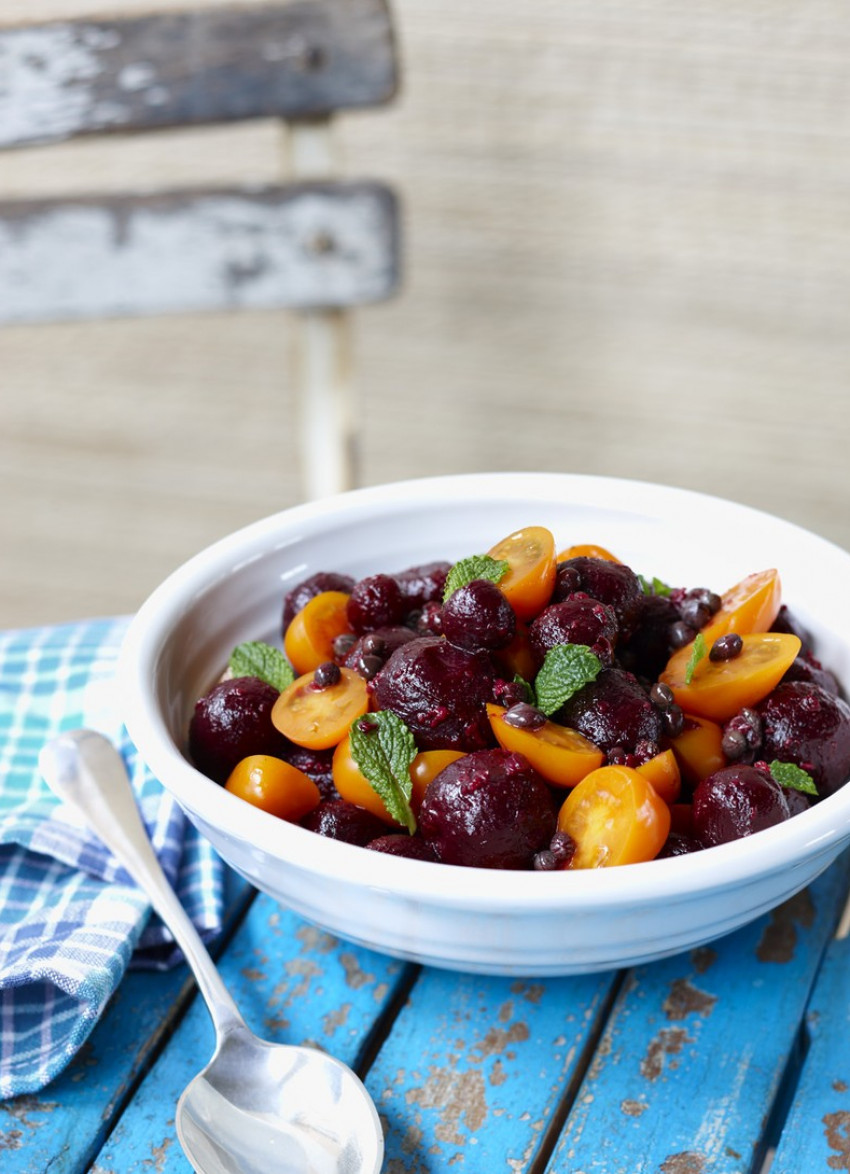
[750, 606]
[530, 579]
[561, 755]
[663, 772]
[615, 816]
[309, 639]
[718, 689]
[319, 718]
[274, 786]
[699, 748]
[587, 550]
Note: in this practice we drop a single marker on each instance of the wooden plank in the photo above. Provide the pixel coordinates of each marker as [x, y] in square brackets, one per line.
[62, 1128]
[816, 1133]
[293, 983]
[475, 1068]
[693, 1060]
[300, 245]
[293, 60]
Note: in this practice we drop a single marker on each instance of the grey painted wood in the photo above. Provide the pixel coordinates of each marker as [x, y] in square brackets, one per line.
[294, 60]
[301, 245]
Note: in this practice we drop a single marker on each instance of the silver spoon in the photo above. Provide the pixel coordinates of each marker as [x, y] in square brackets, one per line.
[257, 1106]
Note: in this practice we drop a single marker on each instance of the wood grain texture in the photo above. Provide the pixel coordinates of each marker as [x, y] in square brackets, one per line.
[627, 251]
[304, 245]
[293, 60]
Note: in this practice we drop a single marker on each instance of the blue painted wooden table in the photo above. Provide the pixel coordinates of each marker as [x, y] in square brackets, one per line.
[731, 1059]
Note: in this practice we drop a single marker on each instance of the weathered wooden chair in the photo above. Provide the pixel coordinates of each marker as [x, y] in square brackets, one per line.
[313, 243]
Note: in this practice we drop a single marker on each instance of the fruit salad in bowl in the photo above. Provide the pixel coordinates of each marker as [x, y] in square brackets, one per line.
[512, 723]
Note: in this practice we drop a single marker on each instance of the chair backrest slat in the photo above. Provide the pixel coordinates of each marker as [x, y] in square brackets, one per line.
[294, 60]
[291, 246]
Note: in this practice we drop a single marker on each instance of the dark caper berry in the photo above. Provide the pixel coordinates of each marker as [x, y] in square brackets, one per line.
[326, 674]
[734, 745]
[661, 695]
[343, 644]
[374, 645]
[726, 647]
[709, 599]
[562, 846]
[674, 721]
[695, 613]
[545, 861]
[681, 634]
[523, 716]
[369, 666]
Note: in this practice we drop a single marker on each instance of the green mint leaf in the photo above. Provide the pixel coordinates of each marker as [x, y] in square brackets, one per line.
[256, 659]
[698, 651]
[566, 668]
[787, 774]
[477, 566]
[654, 586]
[383, 748]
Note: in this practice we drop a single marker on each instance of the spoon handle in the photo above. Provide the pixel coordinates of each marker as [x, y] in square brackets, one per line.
[86, 771]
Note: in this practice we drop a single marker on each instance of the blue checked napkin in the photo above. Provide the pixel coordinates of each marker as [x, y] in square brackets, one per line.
[71, 919]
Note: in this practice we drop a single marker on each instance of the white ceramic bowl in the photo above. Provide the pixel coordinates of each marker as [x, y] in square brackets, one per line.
[479, 919]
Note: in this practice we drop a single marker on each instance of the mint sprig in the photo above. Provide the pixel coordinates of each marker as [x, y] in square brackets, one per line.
[698, 651]
[566, 668]
[256, 659]
[476, 566]
[788, 774]
[383, 748]
[654, 586]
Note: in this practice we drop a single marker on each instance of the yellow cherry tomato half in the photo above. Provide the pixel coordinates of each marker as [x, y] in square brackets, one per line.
[309, 639]
[615, 816]
[699, 748]
[353, 785]
[425, 767]
[750, 606]
[319, 718]
[587, 550]
[530, 579]
[719, 688]
[274, 786]
[663, 772]
[561, 755]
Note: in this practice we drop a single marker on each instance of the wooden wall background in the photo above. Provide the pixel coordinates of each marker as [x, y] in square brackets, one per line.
[627, 252]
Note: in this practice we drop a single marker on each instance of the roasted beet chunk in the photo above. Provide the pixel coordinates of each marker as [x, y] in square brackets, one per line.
[613, 711]
[610, 583]
[477, 616]
[804, 724]
[316, 764]
[376, 602]
[650, 645]
[424, 584]
[737, 801]
[489, 809]
[807, 668]
[340, 820]
[577, 620]
[399, 844]
[300, 595]
[440, 692]
[232, 721]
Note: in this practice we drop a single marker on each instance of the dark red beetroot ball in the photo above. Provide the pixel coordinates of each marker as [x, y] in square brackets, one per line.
[614, 710]
[808, 668]
[440, 692]
[316, 764]
[301, 594]
[678, 844]
[489, 809]
[411, 847]
[423, 584]
[375, 602]
[804, 724]
[577, 620]
[649, 648]
[610, 583]
[478, 616]
[737, 801]
[232, 721]
[340, 820]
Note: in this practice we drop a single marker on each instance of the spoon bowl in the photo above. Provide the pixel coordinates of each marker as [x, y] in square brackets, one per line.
[257, 1106]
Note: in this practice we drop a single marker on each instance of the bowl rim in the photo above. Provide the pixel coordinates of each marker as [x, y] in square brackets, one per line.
[819, 831]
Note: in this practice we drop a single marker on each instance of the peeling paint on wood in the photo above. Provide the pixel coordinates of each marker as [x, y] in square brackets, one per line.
[291, 60]
[185, 251]
[779, 940]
